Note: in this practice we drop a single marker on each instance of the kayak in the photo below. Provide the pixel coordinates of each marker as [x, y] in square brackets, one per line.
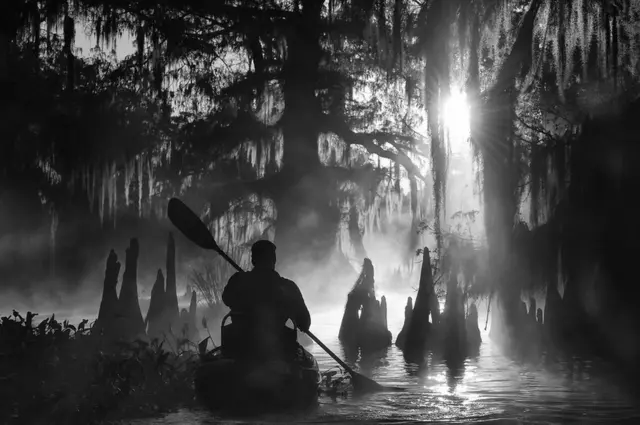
[227, 379]
[226, 384]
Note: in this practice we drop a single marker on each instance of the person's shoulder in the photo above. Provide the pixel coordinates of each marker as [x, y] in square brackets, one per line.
[238, 276]
[287, 281]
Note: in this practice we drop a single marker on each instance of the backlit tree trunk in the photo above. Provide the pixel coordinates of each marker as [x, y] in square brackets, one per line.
[307, 222]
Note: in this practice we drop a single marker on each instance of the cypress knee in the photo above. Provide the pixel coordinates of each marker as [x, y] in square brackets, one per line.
[193, 329]
[154, 321]
[383, 311]
[402, 336]
[131, 323]
[419, 328]
[172, 310]
[109, 303]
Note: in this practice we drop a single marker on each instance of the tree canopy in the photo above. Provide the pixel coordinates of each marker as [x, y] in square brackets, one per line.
[305, 119]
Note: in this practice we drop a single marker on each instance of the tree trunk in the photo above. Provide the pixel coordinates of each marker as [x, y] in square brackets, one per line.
[307, 219]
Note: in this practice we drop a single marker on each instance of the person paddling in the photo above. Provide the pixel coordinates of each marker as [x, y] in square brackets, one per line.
[261, 303]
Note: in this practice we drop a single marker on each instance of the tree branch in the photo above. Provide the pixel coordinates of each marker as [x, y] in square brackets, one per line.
[368, 140]
[391, 138]
[220, 195]
[219, 135]
[254, 80]
[365, 177]
[346, 28]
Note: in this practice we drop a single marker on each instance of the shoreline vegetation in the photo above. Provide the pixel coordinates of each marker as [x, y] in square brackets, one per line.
[121, 365]
[55, 372]
[58, 373]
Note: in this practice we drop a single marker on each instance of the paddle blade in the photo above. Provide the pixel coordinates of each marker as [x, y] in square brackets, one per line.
[190, 224]
[362, 384]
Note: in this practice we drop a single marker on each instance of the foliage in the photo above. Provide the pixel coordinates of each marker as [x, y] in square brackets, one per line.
[60, 373]
[210, 106]
[207, 97]
[335, 383]
[210, 282]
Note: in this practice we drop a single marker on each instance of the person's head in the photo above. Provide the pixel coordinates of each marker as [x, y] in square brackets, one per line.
[263, 254]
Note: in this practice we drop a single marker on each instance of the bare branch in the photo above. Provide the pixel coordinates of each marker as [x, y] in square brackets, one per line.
[340, 128]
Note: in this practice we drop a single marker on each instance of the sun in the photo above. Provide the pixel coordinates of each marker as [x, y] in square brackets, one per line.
[456, 120]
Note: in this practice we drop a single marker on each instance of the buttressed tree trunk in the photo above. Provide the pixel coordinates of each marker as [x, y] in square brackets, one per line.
[131, 323]
[307, 215]
[109, 303]
[419, 329]
[171, 310]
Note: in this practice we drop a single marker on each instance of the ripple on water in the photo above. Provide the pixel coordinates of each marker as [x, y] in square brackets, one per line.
[487, 389]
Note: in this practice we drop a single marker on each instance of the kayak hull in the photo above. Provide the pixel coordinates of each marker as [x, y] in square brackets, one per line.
[225, 384]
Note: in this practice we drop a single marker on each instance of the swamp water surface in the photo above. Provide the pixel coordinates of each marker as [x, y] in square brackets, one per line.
[490, 388]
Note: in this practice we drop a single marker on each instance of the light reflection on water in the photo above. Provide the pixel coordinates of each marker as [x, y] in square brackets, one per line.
[486, 389]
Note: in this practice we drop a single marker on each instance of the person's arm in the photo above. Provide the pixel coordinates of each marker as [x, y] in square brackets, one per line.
[232, 294]
[299, 311]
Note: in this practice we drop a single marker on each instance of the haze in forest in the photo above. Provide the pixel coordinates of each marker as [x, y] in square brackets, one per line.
[342, 129]
[78, 295]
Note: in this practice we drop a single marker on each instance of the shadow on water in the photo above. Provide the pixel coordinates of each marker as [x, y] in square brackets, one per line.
[418, 371]
[349, 354]
[371, 361]
[455, 374]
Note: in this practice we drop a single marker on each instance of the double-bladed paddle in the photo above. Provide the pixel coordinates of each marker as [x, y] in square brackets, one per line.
[193, 228]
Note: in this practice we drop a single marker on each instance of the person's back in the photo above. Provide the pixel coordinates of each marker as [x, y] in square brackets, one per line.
[261, 302]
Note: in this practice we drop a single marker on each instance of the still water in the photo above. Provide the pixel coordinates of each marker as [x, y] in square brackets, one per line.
[488, 389]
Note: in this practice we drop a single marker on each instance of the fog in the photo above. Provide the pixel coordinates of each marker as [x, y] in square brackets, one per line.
[64, 275]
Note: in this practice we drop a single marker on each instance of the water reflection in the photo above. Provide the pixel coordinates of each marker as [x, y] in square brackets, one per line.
[372, 361]
[455, 374]
[488, 388]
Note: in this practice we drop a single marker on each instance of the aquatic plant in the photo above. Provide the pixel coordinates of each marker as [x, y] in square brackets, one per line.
[56, 372]
[335, 382]
[210, 281]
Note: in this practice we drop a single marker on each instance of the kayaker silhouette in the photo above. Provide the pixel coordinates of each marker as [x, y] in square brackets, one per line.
[261, 302]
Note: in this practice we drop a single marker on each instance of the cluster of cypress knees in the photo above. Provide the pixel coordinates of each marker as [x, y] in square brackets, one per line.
[120, 317]
[452, 333]
[364, 323]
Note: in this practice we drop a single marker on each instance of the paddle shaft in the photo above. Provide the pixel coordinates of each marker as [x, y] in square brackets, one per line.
[229, 259]
[331, 353]
[311, 335]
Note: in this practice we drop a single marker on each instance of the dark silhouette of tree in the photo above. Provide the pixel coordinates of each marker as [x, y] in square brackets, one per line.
[287, 115]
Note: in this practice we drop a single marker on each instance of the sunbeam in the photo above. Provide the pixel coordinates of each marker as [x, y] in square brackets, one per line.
[456, 120]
